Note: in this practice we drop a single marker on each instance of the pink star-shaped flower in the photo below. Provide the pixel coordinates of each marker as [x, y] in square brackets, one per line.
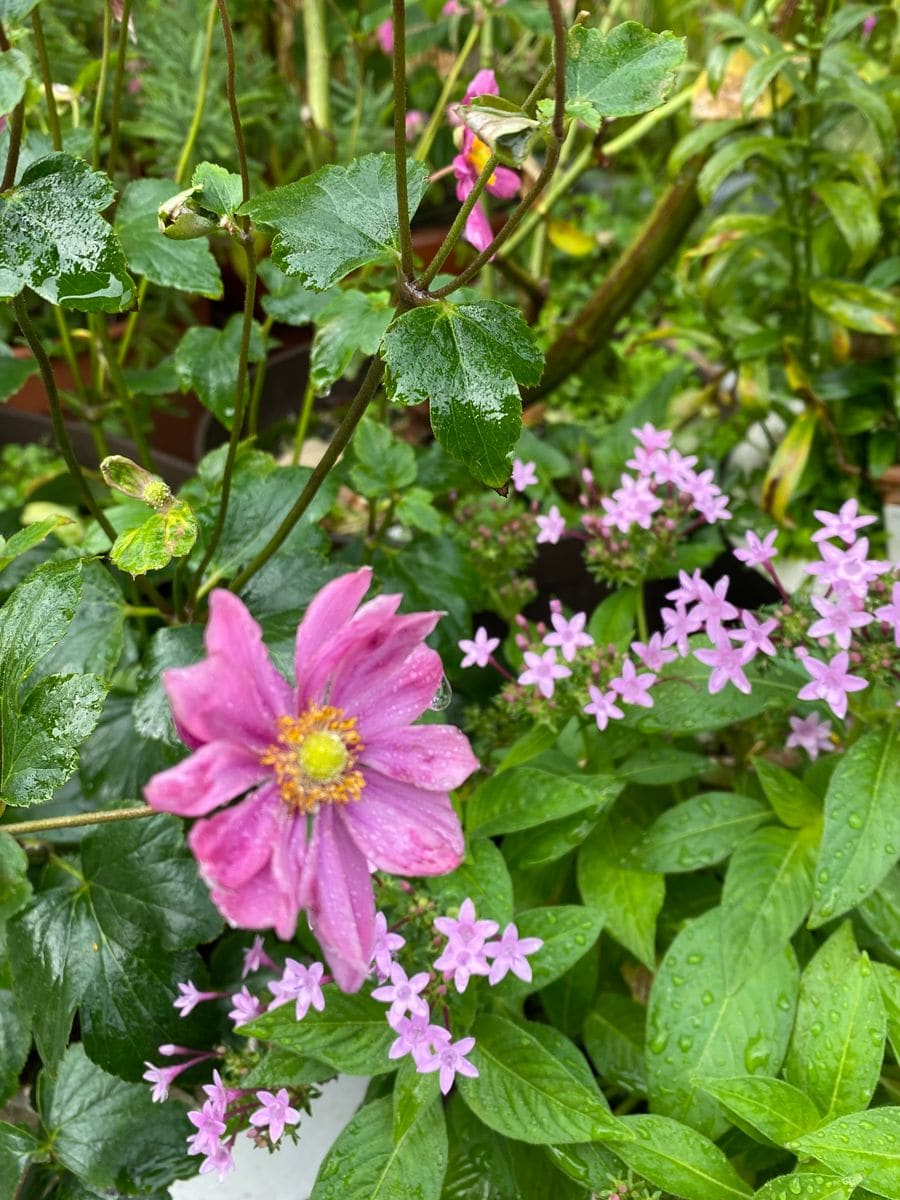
[810, 734]
[830, 682]
[602, 707]
[276, 1112]
[255, 957]
[460, 963]
[653, 654]
[843, 524]
[569, 636]
[688, 590]
[838, 620]
[543, 670]
[757, 552]
[403, 994]
[478, 650]
[190, 997]
[301, 984]
[755, 634]
[509, 954]
[890, 613]
[246, 1007]
[633, 687]
[385, 945]
[651, 438]
[727, 661]
[550, 528]
[467, 929]
[524, 474]
[451, 1060]
[418, 1037]
[712, 608]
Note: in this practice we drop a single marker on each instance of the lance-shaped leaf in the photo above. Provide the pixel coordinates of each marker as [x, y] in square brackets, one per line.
[53, 239]
[681, 1160]
[808, 1186]
[188, 266]
[768, 1110]
[788, 464]
[468, 361]
[619, 74]
[338, 218]
[861, 1143]
[866, 309]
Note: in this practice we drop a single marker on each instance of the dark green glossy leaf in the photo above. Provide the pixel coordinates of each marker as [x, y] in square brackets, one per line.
[791, 800]
[861, 1143]
[18, 1146]
[807, 1186]
[681, 1160]
[837, 1045]
[287, 299]
[881, 912]
[53, 239]
[855, 214]
[352, 323]
[861, 838]
[468, 361]
[15, 888]
[383, 465]
[483, 877]
[525, 1091]
[95, 636]
[661, 766]
[698, 832]
[768, 1110]
[15, 1042]
[206, 361]
[188, 266]
[35, 617]
[697, 1028]
[614, 1034]
[527, 796]
[338, 218]
[621, 73]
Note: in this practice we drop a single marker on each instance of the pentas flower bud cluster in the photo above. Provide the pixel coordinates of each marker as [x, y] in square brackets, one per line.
[467, 952]
[498, 538]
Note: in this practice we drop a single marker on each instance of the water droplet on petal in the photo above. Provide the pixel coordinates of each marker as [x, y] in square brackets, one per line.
[442, 697]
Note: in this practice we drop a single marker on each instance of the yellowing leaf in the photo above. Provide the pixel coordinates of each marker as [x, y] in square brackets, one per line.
[787, 466]
[727, 101]
[567, 237]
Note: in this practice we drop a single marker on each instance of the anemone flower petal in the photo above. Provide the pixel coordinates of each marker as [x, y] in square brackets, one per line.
[212, 776]
[327, 614]
[342, 908]
[504, 183]
[404, 695]
[257, 904]
[359, 678]
[404, 829]
[478, 228]
[314, 674]
[234, 845]
[233, 634]
[436, 757]
[484, 83]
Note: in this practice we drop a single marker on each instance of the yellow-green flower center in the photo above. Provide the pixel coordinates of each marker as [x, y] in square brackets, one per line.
[314, 757]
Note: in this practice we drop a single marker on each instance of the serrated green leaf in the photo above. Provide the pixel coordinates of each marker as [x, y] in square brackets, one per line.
[527, 796]
[866, 309]
[768, 1110]
[791, 800]
[568, 932]
[188, 266]
[140, 1146]
[368, 1163]
[628, 900]
[614, 1035]
[338, 218]
[861, 837]
[806, 1187]
[53, 239]
[14, 72]
[698, 832]
[837, 1045]
[483, 877]
[351, 323]
[352, 1034]
[287, 299]
[172, 646]
[855, 214]
[15, 1042]
[698, 1028]
[220, 189]
[15, 888]
[416, 508]
[525, 1092]
[767, 894]
[94, 638]
[861, 1143]
[468, 361]
[153, 545]
[621, 73]
[681, 1160]
[206, 362]
[383, 465]
[35, 617]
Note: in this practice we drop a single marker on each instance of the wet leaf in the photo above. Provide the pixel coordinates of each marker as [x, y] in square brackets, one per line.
[698, 832]
[768, 1110]
[627, 71]
[188, 266]
[684, 1162]
[351, 323]
[788, 464]
[220, 190]
[863, 1143]
[206, 362]
[153, 545]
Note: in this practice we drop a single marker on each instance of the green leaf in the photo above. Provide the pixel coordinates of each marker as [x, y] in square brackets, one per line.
[18, 1146]
[53, 239]
[153, 545]
[171, 646]
[614, 1036]
[732, 156]
[187, 266]
[863, 1143]
[552, 840]
[661, 766]
[15, 1042]
[338, 218]
[889, 982]
[468, 361]
[414, 1091]
[698, 832]
[881, 912]
[14, 73]
[95, 636]
[612, 621]
[14, 11]
[861, 838]
[855, 214]
[628, 900]
[206, 362]
[697, 1028]
[34, 618]
[568, 931]
[368, 1163]
[482, 876]
[104, 938]
[501, 125]
[383, 465]
[352, 323]
[767, 894]
[109, 1133]
[481, 1162]
[866, 309]
[29, 537]
[15, 888]
[13, 372]
[806, 1187]
[416, 508]
[524, 1091]
[761, 75]
[351, 1034]
[220, 189]
[280, 1068]
[681, 1160]
[523, 797]
[791, 800]
[768, 1110]
[621, 73]
[837, 1045]
[288, 300]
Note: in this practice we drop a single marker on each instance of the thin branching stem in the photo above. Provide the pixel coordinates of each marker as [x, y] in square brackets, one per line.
[97, 125]
[73, 820]
[230, 89]
[47, 78]
[16, 127]
[426, 141]
[200, 102]
[118, 87]
[406, 252]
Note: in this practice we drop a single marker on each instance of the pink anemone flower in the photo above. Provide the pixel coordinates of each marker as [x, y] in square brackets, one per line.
[470, 162]
[334, 779]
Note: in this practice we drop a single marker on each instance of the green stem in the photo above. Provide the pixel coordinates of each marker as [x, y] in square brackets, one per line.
[439, 114]
[309, 396]
[42, 824]
[69, 351]
[200, 102]
[259, 379]
[97, 124]
[459, 221]
[44, 62]
[231, 91]
[641, 615]
[399, 67]
[16, 128]
[133, 318]
[318, 70]
[342, 436]
[123, 394]
[118, 84]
